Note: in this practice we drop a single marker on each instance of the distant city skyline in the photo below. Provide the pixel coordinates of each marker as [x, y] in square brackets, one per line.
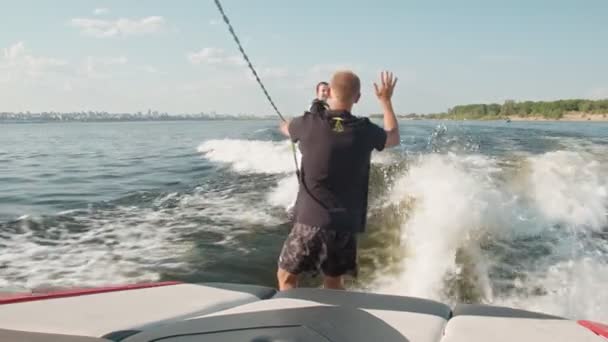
[124, 57]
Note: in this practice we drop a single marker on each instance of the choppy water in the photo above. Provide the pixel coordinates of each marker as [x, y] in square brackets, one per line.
[511, 214]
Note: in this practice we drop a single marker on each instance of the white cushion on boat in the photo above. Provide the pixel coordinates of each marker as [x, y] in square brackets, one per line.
[501, 329]
[415, 327]
[265, 305]
[26, 336]
[99, 314]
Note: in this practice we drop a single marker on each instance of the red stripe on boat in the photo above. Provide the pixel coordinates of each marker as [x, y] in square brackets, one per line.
[19, 298]
[598, 328]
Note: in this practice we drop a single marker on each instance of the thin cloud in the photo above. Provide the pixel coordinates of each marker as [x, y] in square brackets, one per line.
[148, 69]
[99, 28]
[598, 93]
[101, 11]
[17, 62]
[214, 56]
[101, 67]
[270, 73]
[14, 51]
[67, 86]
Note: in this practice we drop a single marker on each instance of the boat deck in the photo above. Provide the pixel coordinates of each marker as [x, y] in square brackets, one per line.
[181, 312]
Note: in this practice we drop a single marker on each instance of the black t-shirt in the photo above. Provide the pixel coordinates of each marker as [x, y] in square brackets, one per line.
[336, 154]
[318, 106]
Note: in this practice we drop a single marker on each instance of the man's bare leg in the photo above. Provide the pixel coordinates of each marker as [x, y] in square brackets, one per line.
[286, 280]
[334, 283]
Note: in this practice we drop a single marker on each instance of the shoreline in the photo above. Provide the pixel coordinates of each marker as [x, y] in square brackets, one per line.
[515, 118]
[567, 118]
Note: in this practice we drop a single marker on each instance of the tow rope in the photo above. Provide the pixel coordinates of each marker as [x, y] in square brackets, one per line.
[238, 43]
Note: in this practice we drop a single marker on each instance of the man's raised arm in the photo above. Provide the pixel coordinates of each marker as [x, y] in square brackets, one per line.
[384, 92]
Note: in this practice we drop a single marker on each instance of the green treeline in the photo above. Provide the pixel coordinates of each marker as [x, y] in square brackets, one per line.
[546, 109]
[495, 111]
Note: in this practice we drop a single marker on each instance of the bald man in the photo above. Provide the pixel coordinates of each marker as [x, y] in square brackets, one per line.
[331, 206]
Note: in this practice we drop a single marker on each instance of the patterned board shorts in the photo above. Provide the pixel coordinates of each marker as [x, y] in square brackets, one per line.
[312, 250]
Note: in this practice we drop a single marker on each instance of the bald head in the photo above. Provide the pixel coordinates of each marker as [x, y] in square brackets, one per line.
[345, 89]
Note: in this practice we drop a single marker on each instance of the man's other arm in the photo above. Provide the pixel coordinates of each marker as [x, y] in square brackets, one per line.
[284, 128]
[292, 128]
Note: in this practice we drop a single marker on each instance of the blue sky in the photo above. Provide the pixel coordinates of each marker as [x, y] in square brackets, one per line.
[178, 57]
